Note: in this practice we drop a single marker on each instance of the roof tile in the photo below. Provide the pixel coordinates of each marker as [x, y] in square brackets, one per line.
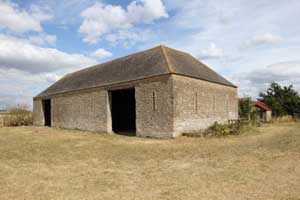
[157, 61]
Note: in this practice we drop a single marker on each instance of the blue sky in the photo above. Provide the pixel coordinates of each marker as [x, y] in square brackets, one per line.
[251, 43]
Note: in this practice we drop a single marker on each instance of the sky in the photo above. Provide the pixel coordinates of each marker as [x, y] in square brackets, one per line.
[251, 43]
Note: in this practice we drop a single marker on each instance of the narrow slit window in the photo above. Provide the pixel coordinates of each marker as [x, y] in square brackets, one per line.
[227, 103]
[154, 101]
[214, 103]
[196, 101]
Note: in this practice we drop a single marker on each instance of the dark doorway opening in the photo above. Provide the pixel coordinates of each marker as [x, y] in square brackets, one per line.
[47, 111]
[123, 111]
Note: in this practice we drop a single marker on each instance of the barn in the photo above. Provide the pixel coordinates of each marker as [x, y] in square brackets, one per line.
[159, 92]
[264, 112]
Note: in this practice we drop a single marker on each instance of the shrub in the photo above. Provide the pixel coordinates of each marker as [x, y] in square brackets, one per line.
[246, 108]
[248, 112]
[296, 117]
[217, 130]
[18, 116]
[223, 129]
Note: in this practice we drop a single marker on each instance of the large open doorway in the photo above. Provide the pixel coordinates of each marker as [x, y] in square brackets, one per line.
[123, 111]
[47, 111]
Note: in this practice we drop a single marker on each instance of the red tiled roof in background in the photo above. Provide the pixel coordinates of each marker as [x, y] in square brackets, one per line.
[262, 105]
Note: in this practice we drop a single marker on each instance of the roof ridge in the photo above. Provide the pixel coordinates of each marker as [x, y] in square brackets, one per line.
[191, 56]
[156, 61]
[173, 49]
[199, 61]
[167, 59]
[114, 60]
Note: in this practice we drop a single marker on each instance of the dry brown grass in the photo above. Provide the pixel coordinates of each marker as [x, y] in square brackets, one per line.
[283, 119]
[46, 163]
[17, 116]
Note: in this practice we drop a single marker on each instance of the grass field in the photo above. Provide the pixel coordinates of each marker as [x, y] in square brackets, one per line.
[47, 163]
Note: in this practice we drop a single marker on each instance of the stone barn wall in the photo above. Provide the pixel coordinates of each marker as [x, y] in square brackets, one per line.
[86, 110]
[90, 109]
[154, 108]
[81, 110]
[38, 113]
[165, 106]
[198, 104]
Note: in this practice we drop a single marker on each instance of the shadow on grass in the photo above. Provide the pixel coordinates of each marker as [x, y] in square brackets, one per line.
[126, 133]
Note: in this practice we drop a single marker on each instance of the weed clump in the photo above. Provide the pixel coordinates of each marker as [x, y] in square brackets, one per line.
[18, 116]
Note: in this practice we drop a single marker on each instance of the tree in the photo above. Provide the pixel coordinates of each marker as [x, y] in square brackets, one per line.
[245, 108]
[283, 100]
[248, 111]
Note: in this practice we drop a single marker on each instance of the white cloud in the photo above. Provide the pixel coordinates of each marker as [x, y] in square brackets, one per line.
[43, 39]
[145, 11]
[51, 77]
[18, 87]
[128, 38]
[65, 13]
[20, 21]
[229, 24]
[266, 38]
[280, 72]
[212, 52]
[258, 80]
[27, 69]
[101, 54]
[101, 19]
[20, 54]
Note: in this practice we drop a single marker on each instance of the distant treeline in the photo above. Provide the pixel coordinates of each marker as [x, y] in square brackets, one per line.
[284, 100]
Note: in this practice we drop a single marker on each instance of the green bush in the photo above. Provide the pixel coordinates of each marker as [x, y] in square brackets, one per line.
[248, 112]
[217, 130]
[223, 129]
[18, 116]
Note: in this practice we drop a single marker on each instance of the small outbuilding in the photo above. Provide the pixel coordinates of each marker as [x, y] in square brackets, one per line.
[160, 92]
[264, 112]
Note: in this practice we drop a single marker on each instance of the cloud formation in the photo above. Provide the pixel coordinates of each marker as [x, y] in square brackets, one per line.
[101, 19]
[257, 80]
[239, 39]
[19, 20]
[18, 87]
[22, 55]
[212, 52]
[101, 54]
[43, 39]
[264, 39]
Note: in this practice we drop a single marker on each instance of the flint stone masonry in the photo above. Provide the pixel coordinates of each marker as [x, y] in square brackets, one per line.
[198, 104]
[174, 93]
[38, 113]
[155, 113]
[85, 111]
[90, 110]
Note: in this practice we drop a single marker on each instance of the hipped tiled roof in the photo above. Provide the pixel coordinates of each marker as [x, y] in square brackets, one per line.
[262, 106]
[153, 62]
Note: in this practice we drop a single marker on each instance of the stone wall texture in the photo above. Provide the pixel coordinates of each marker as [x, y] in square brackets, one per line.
[166, 106]
[154, 108]
[38, 114]
[84, 111]
[198, 104]
[90, 109]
